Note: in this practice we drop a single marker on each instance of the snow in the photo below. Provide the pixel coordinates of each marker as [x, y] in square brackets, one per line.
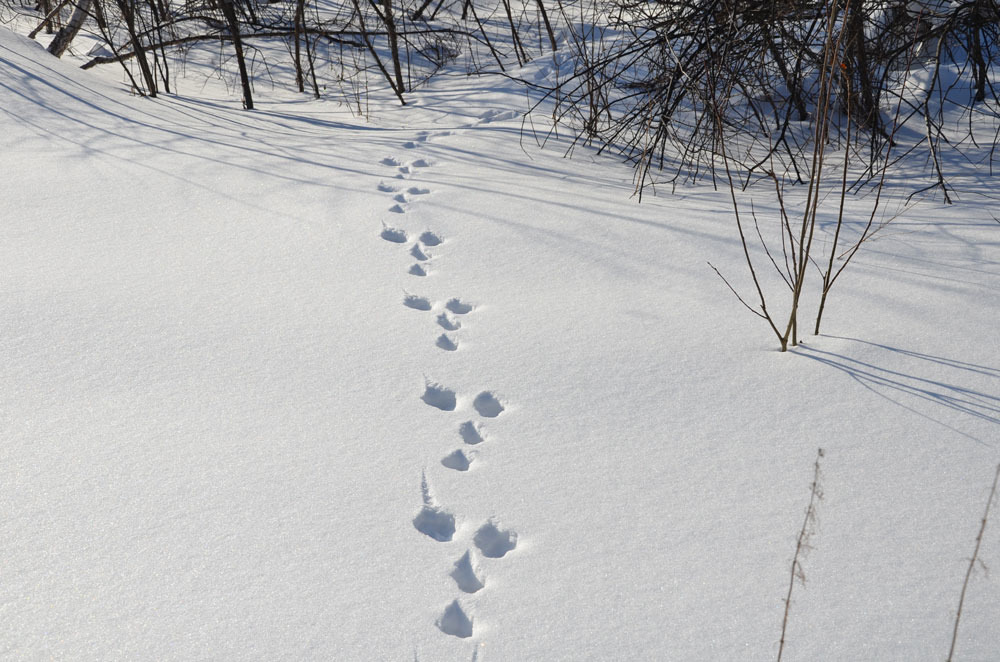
[293, 384]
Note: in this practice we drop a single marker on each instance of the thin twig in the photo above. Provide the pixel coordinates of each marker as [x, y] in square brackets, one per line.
[972, 563]
[802, 545]
[733, 290]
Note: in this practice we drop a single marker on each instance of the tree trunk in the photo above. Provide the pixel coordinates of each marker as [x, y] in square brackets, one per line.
[865, 101]
[980, 70]
[300, 11]
[234, 32]
[548, 26]
[66, 33]
[46, 9]
[390, 28]
[50, 16]
[162, 63]
[128, 14]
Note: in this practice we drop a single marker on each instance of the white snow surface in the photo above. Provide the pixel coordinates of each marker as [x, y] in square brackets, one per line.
[236, 427]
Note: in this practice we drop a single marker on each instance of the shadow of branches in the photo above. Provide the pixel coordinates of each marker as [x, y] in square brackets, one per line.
[957, 392]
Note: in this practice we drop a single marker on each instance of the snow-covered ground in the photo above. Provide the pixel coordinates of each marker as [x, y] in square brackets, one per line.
[295, 385]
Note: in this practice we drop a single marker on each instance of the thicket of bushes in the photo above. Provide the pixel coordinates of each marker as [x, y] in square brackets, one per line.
[670, 81]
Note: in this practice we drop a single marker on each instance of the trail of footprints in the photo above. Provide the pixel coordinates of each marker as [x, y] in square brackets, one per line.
[437, 523]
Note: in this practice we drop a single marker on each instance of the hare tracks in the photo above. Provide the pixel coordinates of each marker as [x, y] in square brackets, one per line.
[432, 520]
[491, 540]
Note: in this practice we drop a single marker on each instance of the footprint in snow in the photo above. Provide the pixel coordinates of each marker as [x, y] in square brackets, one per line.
[455, 622]
[458, 460]
[472, 433]
[448, 323]
[428, 238]
[386, 188]
[389, 161]
[493, 542]
[397, 209]
[458, 307]
[417, 270]
[395, 235]
[466, 574]
[416, 303]
[421, 137]
[439, 397]
[446, 343]
[416, 190]
[408, 168]
[432, 520]
[498, 116]
[419, 254]
[435, 523]
[399, 197]
[487, 404]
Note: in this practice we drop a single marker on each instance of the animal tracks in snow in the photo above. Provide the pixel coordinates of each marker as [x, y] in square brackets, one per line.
[485, 403]
[439, 397]
[493, 542]
[497, 116]
[455, 622]
[488, 405]
[403, 199]
[471, 433]
[432, 520]
[458, 460]
[421, 138]
[435, 523]
[466, 575]
[458, 307]
[446, 343]
[416, 303]
[418, 253]
[430, 239]
[489, 541]
[448, 323]
[395, 235]
[404, 170]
